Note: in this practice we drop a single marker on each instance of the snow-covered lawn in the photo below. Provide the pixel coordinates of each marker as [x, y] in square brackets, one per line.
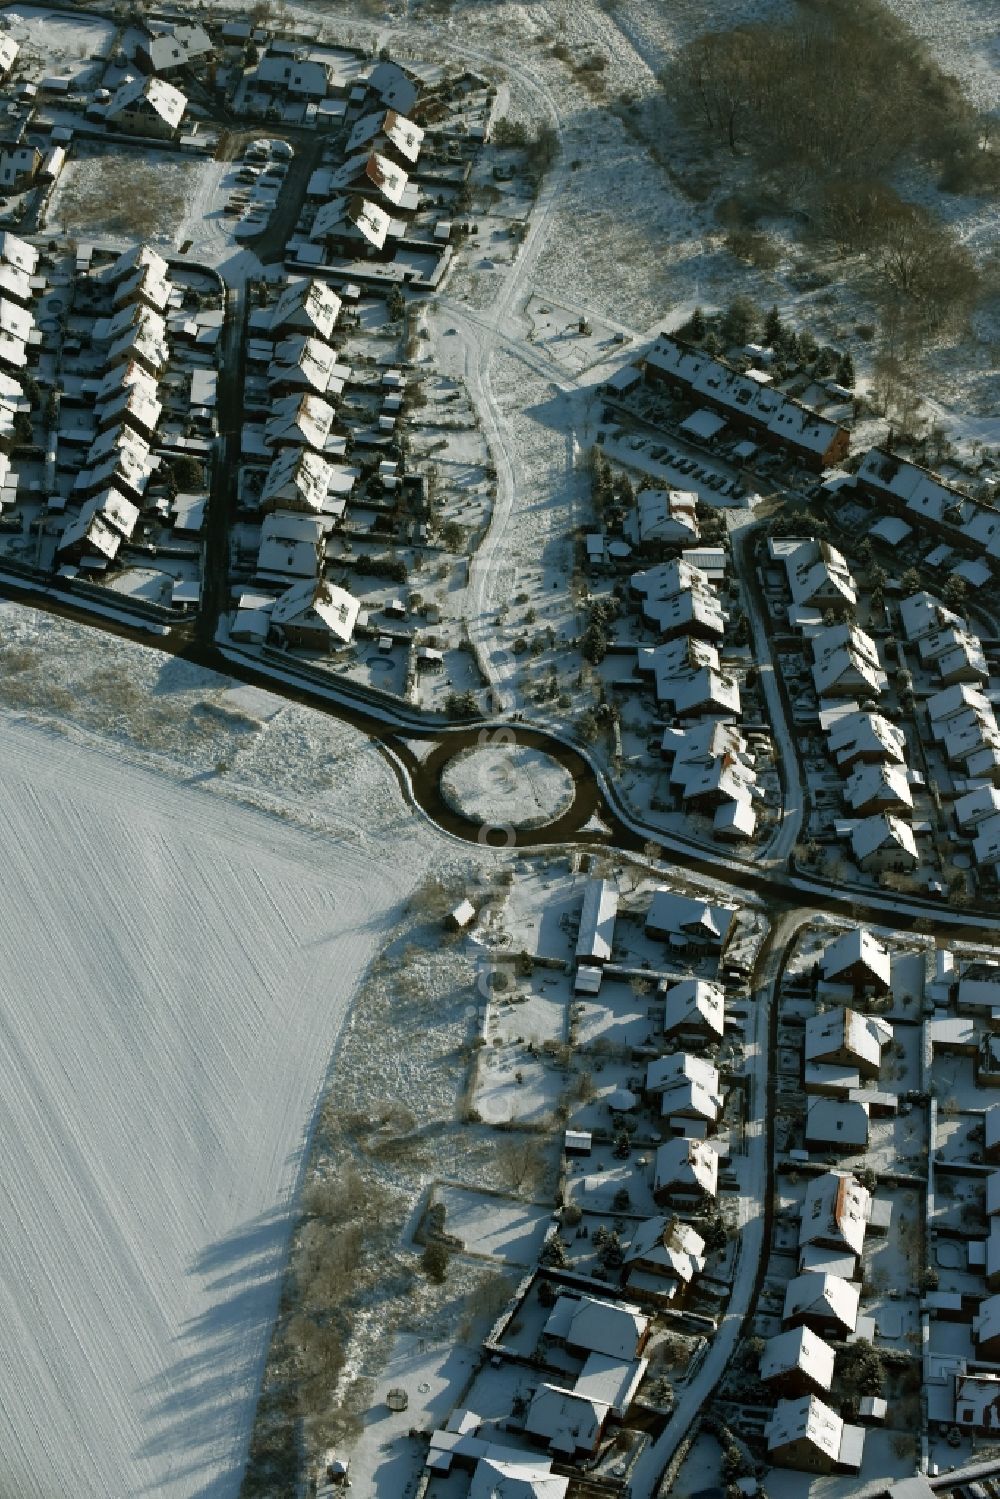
[507, 786]
[503, 1227]
[176, 970]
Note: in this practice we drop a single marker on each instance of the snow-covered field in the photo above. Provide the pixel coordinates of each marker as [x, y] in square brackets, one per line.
[176, 967]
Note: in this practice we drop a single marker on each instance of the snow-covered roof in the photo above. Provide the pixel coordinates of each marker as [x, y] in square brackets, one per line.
[312, 601]
[304, 420]
[878, 785]
[836, 1121]
[369, 171]
[310, 305]
[835, 1211]
[666, 515]
[154, 93]
[686, 1164]
[808, 1420]
[883, 831]
[526, 1477]
[299, 475]
[347, 214]
[698, 1001]
[569, 1422]
[400, 132]
[670, 911]
[847, 1031]
[923, 613]
[597, 921]
[307, 361]
[689, 677]
[614, 1328]
[861, 734]
[798, 1350]
[857, 948]
[18, 252]
[827, 1297]
[669, 1244]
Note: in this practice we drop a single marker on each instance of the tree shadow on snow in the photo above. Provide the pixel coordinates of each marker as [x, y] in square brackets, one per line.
[201, 1408]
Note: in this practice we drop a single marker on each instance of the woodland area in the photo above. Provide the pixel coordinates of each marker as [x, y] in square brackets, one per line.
[827, 107]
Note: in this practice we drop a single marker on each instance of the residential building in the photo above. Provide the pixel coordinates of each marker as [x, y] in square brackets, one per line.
[19, 166]
[351, 225]
[167, 47]
[571, 1424]
[299, 421]
[666, 1247]
[147, 106]
[878, 788]
[695, 1011]
[797, 1362]
[663, 516]
[306, 307]
[835, 1212]
[689, 679]
[847, 1037]
[807, 1435]
[685, 1170]
[597, 922]
[389, 133]
[857, 958]
[9, 49]
[826, 1303]
[588, 1324]
[687, 1086]
[315, 615]
[884, 842]
[291, 546]
[836, 1124]
[865, 737]
[819, 577]
[846, 663]
[772, 418]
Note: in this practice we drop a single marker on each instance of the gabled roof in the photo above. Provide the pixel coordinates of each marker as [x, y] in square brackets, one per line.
[854, 948]
[530, 1478]
[155, 94]
[568, 1421]
[402, 133]
[865, 733]
[695, 1001]
[18, 252]
[371, 172]
[806, 1420]
[885, 785]
[873, 834]
[299, 471]
[689, 1165]
[670, 1244]
[835, 1211]
[799, 1350]
[345, 214]
[610, 1327]
[307, 304]
[322, 602]
[842, 1029]
[304, 420]
[305, 360]
[823, 1295]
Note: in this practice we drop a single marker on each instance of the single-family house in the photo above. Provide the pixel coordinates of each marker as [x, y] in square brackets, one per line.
[686, 1170]
[847, 1037]
[148, 107]
[826, 1303]
[797, 1362]
[314, 615]
[884, 842]
[807, 1435]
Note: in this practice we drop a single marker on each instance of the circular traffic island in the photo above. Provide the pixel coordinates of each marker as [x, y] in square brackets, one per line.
[507, 785]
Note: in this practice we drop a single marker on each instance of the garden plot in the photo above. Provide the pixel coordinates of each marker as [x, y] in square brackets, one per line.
[517, 1084]
[561, 332]
[123, 194]
[386, 1456]
[56, 42]
[492, 1224]
[594, 1182]
[144, 1245]
[531, 1018]
[618, 1016]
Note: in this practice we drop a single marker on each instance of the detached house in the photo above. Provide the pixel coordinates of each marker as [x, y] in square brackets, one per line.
[588, 1324]
[878, 788]
[352, 225]
[687, 1086]
[695, 1010]
[884, 842]
[300, 479]
[846, 663]
[8, 55]
[857, 958]
[305, 363]
[375, 176]
[147, 106]
[807, 1435]
[797, 1362]
[390, 134]
[847, 1037]
[689, 678]
[826, 1303]
[664, 516]
[164, 48]
[686, 1171]
[865, 737]
[315, 616]
[818, 576]
[299, 421]
[306, 307]
[19, 166]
